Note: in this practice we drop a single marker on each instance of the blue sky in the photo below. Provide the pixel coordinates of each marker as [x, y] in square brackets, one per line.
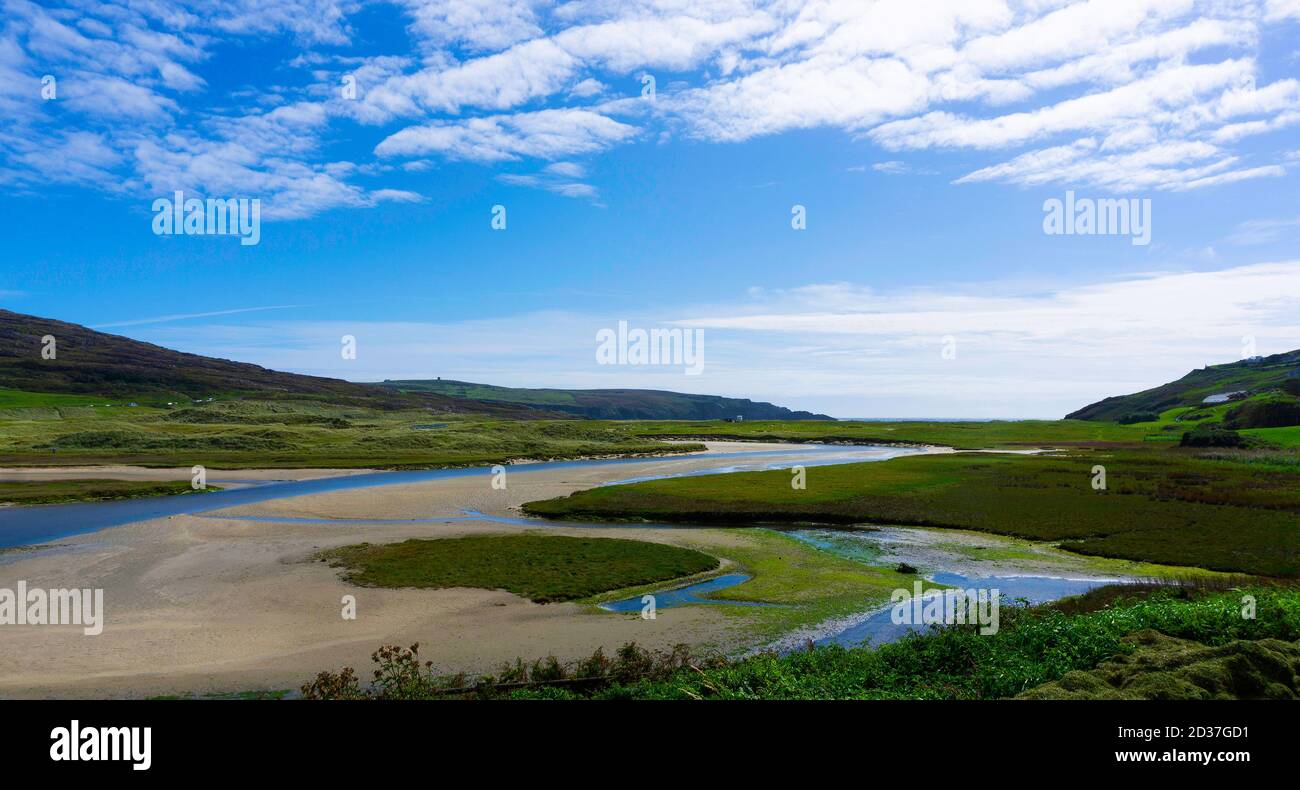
[922, 145]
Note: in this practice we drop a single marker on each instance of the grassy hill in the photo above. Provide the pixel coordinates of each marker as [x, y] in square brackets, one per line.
[92, 366]
[1258, 376]
[610, 404]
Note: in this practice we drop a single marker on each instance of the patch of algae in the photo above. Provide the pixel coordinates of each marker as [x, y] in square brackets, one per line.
[1162, 667]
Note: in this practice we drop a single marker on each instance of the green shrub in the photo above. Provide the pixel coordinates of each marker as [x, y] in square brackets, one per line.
[1277, 413]
[1137, 416]
[1212, 436]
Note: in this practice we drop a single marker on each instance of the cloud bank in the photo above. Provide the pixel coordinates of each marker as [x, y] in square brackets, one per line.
[838, 348]
[1120, 94]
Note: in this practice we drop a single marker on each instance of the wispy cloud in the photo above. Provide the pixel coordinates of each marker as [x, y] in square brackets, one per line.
[545, 134]
[893, 168]
[562, 178]
[164, 319]
[1263, 231]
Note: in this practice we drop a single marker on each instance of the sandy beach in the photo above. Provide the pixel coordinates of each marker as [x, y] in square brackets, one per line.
[209, 603]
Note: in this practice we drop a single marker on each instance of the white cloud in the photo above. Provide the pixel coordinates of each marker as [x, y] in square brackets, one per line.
[562, 178]
[1279, 10]
[587, 88]
[1158, 94]
[310, 21]
[73, 158]
[524, 72]
[397, 196]
[567, 169]
[477, 24]
[1160, 166]
[546, 134]
[893, 168]
[551, 183]
[112, 96]
[1115, 91]
[1266, 171]
[677, 42]
[1148, 311]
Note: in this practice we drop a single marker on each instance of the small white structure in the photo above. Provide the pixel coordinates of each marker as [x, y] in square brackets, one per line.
[1224, 397]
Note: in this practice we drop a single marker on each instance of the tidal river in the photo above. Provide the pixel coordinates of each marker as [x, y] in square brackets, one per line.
[25, 526]
[946, 557]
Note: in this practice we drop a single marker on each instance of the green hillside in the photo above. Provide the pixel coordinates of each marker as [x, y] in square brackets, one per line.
[89, 367]
[611, 404]
[1274, 377]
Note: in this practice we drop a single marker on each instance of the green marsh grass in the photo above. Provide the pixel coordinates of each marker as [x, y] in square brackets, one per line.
[47, 492]
[1165, 507]
[543, 568]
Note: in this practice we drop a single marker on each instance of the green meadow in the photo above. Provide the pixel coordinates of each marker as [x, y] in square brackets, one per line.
[43, 429]
[295, 434]
[18, 399]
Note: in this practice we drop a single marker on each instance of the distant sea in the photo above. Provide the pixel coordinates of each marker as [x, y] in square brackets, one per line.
[926, 419]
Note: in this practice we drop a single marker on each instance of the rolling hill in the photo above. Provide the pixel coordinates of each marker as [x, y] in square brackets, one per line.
[610, 404]
[91, 363]
[91, 366]
[1253, 376]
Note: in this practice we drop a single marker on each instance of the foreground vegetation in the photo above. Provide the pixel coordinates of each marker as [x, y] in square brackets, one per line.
[47, 492]
[1033, 647]
[543, 568]
[1166, 507]
[1162, 667]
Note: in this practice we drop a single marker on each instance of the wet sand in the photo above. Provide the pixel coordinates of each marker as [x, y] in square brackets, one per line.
[199, 604]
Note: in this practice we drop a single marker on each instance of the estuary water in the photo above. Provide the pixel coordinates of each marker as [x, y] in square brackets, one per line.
[25, 526]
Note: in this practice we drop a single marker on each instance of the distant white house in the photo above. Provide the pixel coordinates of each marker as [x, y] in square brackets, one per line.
[1224, 397]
